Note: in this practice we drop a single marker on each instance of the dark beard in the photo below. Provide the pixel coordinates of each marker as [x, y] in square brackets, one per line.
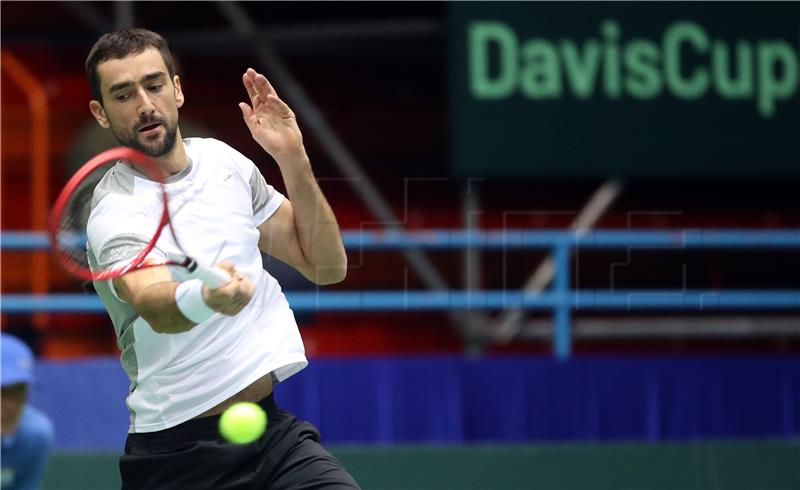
[131, 139]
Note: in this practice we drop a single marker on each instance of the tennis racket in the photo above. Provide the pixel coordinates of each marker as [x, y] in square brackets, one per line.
[70, 216]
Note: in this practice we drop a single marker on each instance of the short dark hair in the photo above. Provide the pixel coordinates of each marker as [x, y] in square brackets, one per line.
[119, 44]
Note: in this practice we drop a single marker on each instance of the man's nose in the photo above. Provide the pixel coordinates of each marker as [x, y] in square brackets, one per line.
[146, 108]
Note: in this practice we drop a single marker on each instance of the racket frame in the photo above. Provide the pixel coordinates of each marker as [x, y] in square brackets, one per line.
[142, 163]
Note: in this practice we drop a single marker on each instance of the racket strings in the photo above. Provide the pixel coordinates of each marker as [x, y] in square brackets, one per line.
[71, 238]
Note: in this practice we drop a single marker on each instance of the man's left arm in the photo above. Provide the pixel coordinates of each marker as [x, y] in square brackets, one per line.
[303, 231]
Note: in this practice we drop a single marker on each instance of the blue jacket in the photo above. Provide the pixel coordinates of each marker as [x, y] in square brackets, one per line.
[24, 453]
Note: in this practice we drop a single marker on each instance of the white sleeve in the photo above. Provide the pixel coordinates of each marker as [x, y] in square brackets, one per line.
[117, 235]
[266, 200]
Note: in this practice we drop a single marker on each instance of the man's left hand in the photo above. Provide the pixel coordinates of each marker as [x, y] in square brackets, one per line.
[271, 122]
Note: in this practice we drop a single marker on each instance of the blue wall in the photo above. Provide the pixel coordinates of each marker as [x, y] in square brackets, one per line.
[451, 399]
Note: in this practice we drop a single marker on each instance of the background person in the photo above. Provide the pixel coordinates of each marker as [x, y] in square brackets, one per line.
[27, 433]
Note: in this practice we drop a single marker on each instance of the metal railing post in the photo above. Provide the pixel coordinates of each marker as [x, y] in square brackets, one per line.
[562, 340]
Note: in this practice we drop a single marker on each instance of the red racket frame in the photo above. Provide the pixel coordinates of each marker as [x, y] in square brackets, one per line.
[142, 163]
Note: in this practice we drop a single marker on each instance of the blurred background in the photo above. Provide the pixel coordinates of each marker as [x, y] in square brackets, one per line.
[573, 232]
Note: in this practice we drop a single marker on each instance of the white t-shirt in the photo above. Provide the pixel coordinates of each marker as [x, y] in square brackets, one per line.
[216, 203]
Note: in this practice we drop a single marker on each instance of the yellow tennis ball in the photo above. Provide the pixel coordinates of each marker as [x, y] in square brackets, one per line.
[243, 423]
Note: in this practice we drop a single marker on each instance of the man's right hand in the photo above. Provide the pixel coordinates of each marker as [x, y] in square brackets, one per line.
[231, 298]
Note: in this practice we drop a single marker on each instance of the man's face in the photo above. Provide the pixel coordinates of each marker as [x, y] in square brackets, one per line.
[12, 401]
[140, 102]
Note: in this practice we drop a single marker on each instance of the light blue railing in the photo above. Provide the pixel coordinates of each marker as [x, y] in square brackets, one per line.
[560, 299]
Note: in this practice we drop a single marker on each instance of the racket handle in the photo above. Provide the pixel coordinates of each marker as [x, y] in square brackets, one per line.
[213, 277]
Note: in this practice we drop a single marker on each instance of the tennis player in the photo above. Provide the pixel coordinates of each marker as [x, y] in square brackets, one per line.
[190, 351]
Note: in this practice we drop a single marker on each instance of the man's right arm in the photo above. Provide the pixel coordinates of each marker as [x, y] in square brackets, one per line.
[151, 292]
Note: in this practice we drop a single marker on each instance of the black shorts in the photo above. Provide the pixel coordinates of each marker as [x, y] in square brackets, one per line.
[194, 456]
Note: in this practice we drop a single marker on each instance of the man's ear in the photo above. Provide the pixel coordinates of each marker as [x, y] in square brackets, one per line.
[99, 114]
[178, 91]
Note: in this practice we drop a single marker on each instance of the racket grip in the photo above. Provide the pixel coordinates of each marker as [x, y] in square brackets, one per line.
[213, 277]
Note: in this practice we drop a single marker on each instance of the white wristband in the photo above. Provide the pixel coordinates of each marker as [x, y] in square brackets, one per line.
[189, 298]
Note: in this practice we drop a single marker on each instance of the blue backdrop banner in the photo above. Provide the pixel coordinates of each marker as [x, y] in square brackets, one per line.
[455, 400]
